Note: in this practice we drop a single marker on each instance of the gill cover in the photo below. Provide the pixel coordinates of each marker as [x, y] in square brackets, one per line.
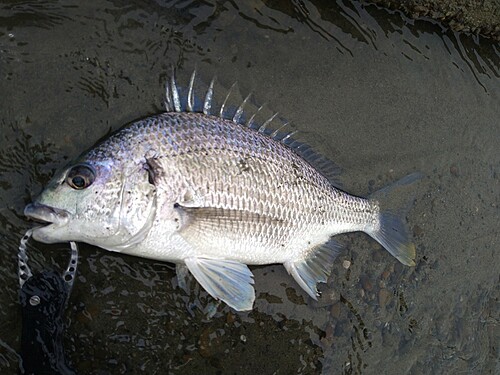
[138, 206]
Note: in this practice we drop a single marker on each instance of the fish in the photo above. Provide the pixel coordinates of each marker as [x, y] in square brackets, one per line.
[213, 191]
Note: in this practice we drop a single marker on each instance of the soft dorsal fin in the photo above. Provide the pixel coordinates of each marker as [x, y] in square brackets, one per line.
[243, 111]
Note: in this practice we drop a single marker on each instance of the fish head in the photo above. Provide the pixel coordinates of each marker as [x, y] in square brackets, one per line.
[108, 203]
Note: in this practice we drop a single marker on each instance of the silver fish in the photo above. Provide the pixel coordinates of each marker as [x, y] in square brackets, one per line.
[213, 194]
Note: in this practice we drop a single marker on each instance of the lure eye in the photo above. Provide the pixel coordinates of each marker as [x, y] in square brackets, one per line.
[80, 177]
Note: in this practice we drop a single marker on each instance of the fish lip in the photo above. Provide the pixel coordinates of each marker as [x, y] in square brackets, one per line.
[47, 214]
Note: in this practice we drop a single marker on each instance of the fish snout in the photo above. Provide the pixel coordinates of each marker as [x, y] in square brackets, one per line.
[47, 214]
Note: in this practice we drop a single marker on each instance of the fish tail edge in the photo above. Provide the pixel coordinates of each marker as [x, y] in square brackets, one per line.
[392, 231]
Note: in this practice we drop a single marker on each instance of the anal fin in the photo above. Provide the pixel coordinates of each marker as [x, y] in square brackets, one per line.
[315, 268]
[227, 280]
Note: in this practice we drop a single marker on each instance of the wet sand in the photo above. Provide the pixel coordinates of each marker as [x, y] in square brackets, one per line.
[476, 17]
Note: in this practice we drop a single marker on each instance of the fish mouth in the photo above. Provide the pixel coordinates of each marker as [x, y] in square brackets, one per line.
[46, 214]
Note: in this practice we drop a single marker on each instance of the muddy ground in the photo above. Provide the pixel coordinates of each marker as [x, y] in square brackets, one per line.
[477, 17]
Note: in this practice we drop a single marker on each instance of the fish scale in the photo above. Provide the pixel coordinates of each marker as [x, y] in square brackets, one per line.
[214, 194]
[225, 179]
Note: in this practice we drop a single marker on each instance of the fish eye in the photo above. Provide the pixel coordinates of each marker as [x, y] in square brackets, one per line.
[80, 177]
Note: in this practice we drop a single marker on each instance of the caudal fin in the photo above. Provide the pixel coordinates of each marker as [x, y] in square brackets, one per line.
[392, 232]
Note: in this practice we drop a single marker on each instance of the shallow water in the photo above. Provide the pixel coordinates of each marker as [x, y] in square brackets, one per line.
[379, 94]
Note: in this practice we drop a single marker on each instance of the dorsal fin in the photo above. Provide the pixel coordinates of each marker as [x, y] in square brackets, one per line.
[239, 111]
[190, 102]
[175, 94]
[246, 112]
[207, 104]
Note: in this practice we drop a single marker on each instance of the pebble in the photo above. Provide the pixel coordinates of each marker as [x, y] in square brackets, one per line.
[230, 318]
[366, 283]
[346, 264]
[335, 310]
[383, 297]
[398, 267]
[204, 344]
[340, 329]
[329, 331]
[454, 171]
[417, 230]
[377, 255]
[115, 311]
[208, 343]
[385, 275]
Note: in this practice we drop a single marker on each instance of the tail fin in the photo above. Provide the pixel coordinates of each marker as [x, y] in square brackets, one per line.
[392, 232]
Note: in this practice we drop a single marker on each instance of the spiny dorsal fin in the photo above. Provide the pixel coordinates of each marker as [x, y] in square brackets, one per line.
[190, 103]
[175, 94]
[239, 111]
[246, 113]
[266, 123]
[207, 104]
[168, 99]
[222, 114]
[250, 122]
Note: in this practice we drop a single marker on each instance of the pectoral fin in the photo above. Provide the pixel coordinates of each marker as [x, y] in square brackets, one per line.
[227, 280]
[207, 219]
[203, 227]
